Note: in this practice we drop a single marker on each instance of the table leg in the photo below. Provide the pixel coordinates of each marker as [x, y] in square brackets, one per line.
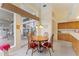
[40, 47]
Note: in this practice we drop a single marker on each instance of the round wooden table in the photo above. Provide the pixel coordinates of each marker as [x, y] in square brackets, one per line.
[39, 39]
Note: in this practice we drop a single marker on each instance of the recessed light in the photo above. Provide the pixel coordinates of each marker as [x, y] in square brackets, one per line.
[77, 17]
[44, 5]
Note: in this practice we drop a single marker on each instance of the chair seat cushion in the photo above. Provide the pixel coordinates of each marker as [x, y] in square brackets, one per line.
[33, 45]
[47, 44]
[5, 47]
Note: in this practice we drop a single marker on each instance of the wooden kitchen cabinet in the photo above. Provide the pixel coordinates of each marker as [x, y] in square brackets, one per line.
[70, 38]
[69, 25]
[65, 37]
[75, 45]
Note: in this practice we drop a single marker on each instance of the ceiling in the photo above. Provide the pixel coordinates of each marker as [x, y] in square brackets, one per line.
[61, 11]
[30, 7]
[33, 8]
[37, 6]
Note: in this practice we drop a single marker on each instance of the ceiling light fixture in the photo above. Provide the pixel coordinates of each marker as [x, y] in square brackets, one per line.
[77, 17]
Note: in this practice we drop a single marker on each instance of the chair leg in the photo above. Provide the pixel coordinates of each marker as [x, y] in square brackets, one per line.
[32, 52]
[49, 51]
[52, 50]
[45, 50]
[27, 50]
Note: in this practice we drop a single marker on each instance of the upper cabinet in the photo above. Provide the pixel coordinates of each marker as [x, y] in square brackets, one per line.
[69, 25]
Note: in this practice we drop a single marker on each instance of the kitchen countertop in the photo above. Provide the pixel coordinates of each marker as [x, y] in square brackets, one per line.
[74, 34]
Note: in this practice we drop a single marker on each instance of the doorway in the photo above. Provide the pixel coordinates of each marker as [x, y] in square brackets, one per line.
[28, 25]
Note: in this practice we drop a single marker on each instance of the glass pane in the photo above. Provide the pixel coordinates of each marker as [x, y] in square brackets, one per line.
[6, 27]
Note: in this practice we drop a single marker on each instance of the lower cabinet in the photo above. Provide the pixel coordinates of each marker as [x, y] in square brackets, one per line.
[65, 37]
[75, 45]
[69, 38]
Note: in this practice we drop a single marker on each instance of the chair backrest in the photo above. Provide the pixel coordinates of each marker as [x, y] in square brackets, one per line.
[52, 38]
[29, 38]
[29, 35]
[31, 44]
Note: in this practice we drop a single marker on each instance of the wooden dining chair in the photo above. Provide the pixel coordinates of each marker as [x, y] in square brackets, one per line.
[49, 45]
[51, 41]
[31, 44]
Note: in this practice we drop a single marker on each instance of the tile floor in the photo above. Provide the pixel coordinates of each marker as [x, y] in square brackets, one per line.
[61, 48]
